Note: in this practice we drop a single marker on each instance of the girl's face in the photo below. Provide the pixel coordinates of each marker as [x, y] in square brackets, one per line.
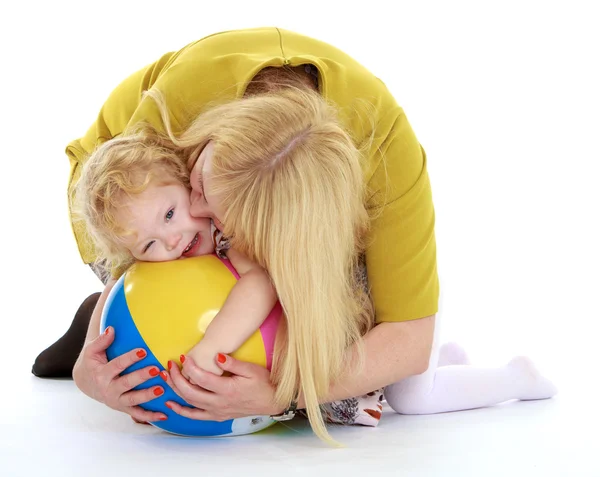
[162, 226]
[203, 203]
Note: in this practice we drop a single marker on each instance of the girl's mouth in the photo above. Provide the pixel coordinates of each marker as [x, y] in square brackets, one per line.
[192, 246]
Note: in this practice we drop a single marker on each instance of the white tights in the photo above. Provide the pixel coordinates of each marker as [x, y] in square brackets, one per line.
[451, 383]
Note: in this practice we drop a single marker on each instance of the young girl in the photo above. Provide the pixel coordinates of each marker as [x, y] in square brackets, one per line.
[137, 208]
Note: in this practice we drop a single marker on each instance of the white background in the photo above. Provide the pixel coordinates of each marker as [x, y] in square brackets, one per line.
[504, 96]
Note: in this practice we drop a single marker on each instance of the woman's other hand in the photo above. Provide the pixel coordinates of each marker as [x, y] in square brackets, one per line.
[245, 390]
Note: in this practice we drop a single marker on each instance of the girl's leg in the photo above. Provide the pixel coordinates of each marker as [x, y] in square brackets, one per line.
[57, 360]
[456, 387]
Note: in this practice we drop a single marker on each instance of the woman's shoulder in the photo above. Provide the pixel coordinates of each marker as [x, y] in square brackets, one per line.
[256, 43]
[362, 99]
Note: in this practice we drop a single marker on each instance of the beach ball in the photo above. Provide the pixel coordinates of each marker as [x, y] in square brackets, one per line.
[165, 308]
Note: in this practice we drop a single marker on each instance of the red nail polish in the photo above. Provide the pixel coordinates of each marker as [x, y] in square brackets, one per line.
[221, 358]
[107, 330]
[158, 391]
[154, 372]
[164, 376]
[182, 359]
[169, 365]
[163, 418]
[168, 405]
[141, 353]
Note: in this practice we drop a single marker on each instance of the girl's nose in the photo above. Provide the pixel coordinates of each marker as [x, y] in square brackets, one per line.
[173, 241]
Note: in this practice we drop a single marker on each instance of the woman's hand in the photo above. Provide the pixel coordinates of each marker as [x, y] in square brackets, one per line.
[247, 391]
[99, 379]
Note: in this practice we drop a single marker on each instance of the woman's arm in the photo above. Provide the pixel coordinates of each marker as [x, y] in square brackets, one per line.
[246, 307]
[393, 351]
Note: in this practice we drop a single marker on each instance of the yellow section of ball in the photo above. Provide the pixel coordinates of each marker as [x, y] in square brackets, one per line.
[172, 304]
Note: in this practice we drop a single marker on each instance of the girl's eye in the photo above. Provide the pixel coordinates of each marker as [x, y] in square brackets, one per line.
[169, 214]
[147, 247]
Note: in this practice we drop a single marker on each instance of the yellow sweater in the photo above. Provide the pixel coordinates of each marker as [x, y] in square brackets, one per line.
[401, 258]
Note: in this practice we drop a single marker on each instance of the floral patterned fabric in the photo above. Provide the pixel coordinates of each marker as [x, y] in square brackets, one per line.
[363, 410]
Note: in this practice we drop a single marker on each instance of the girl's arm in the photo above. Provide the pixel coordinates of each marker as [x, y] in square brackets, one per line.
[246, 307]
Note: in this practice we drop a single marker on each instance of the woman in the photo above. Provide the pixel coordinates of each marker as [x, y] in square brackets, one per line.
[400, 255]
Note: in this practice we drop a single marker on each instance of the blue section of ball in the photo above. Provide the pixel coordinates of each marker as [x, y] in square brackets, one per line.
[127, 337]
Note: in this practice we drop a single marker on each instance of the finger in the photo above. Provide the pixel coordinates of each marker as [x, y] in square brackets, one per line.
[146, 423]
[166, 376]
[139, 414]
[191, 393]
[185, 375]
[205, 379]
[101, 343]
[180, 378]
[119, 364]
[237, 367]
[189, 412]
[128, 381]
[135, 398]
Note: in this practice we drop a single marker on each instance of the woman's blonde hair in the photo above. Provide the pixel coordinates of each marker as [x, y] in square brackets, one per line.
[290, 182]
[120, 168]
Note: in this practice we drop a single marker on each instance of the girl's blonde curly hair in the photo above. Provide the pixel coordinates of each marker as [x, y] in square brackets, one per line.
[120, 168]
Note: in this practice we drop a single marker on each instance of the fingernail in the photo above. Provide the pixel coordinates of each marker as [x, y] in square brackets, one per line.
[169, 365]
[154, 372]
[221, 358]
[107, 330]
[162, 418]
[168, 405]
[164, 376]
[158, 391]
[141, 353]
[182, 359]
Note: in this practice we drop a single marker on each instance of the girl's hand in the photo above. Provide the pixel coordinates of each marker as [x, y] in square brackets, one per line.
[204, 357]
[99, 378]
[247, 391]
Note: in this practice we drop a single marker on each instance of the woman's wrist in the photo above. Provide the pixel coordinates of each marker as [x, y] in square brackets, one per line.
[79, 378]
[289, 412]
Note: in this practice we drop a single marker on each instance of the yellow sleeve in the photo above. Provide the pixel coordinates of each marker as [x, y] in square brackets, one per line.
[113, 119]
[401, 253]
